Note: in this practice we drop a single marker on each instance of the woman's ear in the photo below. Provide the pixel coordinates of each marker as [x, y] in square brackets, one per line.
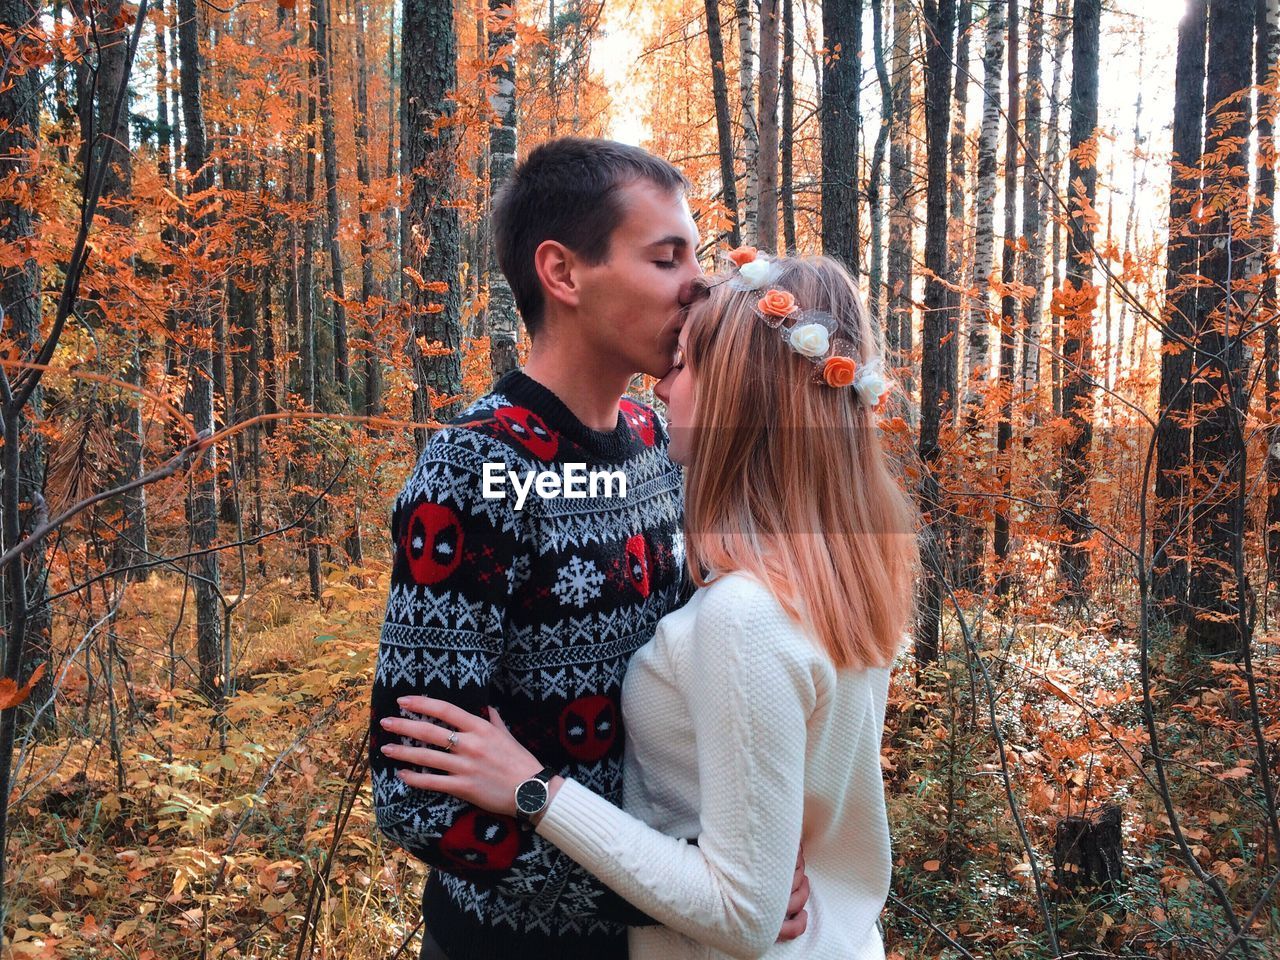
[555, 263]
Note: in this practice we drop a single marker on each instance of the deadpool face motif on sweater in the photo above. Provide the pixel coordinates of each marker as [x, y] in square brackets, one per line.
[432, 543]
[478, 840]
[589, 728]
[529, 430]
[637, 564]
[640, 421]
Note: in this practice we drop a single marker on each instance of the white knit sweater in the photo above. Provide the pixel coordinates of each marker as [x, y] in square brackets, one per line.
[741, 733]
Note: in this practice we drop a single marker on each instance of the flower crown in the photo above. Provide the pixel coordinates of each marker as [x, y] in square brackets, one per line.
[810, 333]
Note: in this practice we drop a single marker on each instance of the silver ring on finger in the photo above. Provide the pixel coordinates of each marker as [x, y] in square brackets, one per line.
[453, 742]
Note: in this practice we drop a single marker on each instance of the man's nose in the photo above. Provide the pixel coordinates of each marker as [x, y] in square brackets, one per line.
[687, 288]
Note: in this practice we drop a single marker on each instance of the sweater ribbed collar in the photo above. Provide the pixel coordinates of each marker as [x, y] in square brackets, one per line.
[614, 445]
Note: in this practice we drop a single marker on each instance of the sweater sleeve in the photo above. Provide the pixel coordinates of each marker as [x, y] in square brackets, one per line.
[751, 691]
[456, 556]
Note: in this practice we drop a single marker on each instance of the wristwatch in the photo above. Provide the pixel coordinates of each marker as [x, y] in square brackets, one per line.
[532, 795]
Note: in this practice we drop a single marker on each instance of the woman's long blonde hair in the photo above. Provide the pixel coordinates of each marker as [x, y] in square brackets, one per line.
[786, 478]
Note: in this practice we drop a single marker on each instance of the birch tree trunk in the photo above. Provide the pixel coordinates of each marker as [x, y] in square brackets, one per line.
[1008, 311]
[1049, 194]
[788, 127]
[958, 264]
[371, 396]
[750, 129]
[901, 220]
[985, 202]
[1032, 228]
[875, 185]
[504, 323]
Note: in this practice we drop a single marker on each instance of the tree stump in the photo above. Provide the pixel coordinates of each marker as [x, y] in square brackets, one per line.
[1086, 852]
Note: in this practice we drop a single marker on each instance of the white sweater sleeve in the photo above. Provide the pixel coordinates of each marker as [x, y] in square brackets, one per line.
[750, 687]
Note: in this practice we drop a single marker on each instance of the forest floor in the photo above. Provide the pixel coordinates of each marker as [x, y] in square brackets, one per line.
[148, 828]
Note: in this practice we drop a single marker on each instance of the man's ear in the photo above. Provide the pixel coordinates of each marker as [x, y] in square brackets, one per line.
[555, 264]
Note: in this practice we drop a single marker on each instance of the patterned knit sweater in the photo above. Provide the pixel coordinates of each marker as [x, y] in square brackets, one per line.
[741, 732]
[536, 611]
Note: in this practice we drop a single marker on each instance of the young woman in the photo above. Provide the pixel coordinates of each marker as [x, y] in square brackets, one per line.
[754, 717]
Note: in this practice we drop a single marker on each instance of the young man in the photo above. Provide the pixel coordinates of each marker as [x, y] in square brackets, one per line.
[505, 596]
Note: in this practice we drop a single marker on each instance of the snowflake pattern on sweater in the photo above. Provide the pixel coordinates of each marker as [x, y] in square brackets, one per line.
[536, 612]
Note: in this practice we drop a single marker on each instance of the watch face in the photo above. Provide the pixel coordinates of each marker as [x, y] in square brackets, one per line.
[531, 796]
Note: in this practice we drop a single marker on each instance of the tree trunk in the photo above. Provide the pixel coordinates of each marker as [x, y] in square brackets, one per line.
[504, 324]
[309, 348]
[1077, 347]
[768, 119]
[203, 504]
[1049, 198]
[838, 111]
[125, 415]
[27, 620]
[164, 133]
[958, 264]
[724, 134]
[985, 203]
[333, 224]
[167, 140]
[935, 399]
[430, 232]
[788, 127]
[1264, 221]
[1008, 311]
[1088, 853]
[371, 395]
[1032, 228]
[750, 129]
[901, 222]
[1139, 181]
[307, 345]
[875, 185]
[391, 212]
[1216, 580]
[1170, 534]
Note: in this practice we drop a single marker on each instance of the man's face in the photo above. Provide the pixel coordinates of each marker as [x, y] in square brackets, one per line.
[633, 302]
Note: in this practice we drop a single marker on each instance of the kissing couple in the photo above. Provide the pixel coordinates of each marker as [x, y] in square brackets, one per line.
[649, 724]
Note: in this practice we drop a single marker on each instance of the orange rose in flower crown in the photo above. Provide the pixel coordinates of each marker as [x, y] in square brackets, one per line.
[777, 303]
[741, 255]
[839, 371]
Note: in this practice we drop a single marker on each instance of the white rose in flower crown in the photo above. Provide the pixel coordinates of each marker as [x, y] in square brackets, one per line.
[809, 339]
[871, 383]
[756, 274]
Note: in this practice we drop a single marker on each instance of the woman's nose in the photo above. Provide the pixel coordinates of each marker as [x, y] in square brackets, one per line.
[662, 389]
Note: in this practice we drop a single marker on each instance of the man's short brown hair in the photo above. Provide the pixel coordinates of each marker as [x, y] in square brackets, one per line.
[567, 190]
